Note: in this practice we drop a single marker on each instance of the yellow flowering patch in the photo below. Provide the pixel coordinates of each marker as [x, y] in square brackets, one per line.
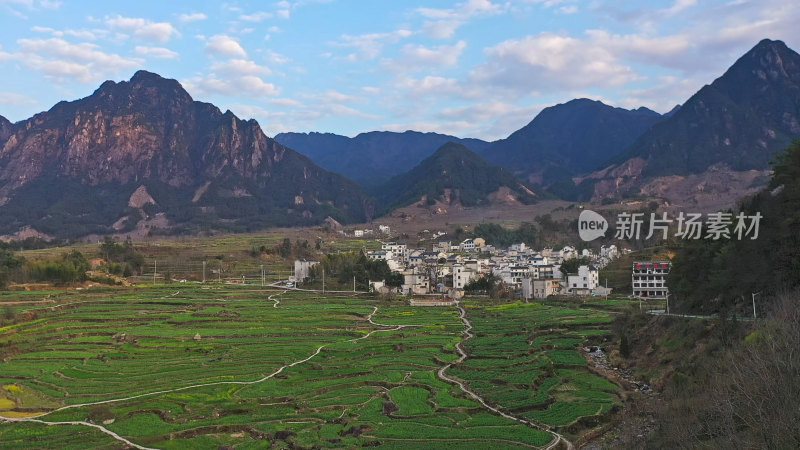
[15, 414]
[12, 388]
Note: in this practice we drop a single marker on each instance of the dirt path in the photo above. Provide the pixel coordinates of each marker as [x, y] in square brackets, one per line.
[392, 327]
[462, 356]
[277, 302]
[88, 424]
[37, 419]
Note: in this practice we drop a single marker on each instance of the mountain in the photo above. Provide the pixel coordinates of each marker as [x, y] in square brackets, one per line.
[143, 149]
[6, 128]
[569, 139]
[452, 175]
[374, 157]
[736, 124]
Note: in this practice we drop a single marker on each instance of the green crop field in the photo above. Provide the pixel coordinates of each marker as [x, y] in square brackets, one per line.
[203, 366]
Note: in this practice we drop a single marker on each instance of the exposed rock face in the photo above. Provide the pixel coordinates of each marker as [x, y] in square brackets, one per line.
[735, 124]
[149, 133]
[6, 128]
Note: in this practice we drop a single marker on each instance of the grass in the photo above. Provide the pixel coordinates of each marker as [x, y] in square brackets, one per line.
[113, 343]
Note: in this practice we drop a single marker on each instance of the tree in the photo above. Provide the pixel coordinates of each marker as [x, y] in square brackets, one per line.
[395, 280]
[624, 347]
[8, 262]
[571, 265]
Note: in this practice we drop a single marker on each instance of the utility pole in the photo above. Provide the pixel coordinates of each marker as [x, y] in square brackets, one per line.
[204, 271]
[323, 281]
[754, 303]
[155, 268]
[354, 284]
[262, 275]
[667, 304]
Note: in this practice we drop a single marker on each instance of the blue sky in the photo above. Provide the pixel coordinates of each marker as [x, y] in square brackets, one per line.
[472, 68]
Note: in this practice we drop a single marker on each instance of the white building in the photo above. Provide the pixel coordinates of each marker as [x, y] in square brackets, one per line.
[584, 282]
[415, 282]
[385, 229]
[467, 245]
[398, 252]
[462, 275]
[302, 268]
[378, 255]
[649, 279]
[540, 288]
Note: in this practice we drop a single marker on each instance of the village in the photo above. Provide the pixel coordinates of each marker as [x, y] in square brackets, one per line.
[446, 268]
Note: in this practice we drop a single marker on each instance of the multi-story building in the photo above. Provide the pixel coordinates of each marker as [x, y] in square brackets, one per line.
[649, 279]
[532, 288]
[302, 267]
[584, 282]
[395, 251]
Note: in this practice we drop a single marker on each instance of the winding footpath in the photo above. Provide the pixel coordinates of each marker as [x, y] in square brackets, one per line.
[277, 302]
[36, 418]
[557, 438]
[391, 327]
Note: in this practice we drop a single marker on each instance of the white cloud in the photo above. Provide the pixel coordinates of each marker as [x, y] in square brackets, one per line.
[224, 45]
[443, 23]
[370, 45]
[275, 57]
[678, 6]
[428, 85]
[60, 59]
[551, 61]
[34, 4]
[155, 52]
[240, 87]
[15, 99]
[421, 56]
[192, 17]
[255, 112]
[332, 96]
[285, 102]
[89, 35]
[239, 67]
[256, 16]
[571, 9]
[143, 28]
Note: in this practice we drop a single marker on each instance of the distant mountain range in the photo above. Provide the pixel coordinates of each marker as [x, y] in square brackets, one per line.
[143, 155]
[374, 157]
[144, 152]
[452, 175]
[569, 139]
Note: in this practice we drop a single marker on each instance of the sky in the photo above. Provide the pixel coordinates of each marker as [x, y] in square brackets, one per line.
[471, 68]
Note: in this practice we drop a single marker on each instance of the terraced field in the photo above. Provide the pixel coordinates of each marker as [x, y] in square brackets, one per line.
[206, 366]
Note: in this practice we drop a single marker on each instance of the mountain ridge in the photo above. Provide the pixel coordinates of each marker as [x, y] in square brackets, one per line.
[747, 114]
[202, 166]
[452, 175]
[372, 157]
[568, 139]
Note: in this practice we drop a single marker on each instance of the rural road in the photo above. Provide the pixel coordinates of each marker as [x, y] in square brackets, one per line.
[462, 356]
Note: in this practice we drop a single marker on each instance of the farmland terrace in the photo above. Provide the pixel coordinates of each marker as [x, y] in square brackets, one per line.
[203, 366]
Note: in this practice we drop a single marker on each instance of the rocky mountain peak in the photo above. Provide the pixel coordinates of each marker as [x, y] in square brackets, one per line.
[5, 130]
[149, 133]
